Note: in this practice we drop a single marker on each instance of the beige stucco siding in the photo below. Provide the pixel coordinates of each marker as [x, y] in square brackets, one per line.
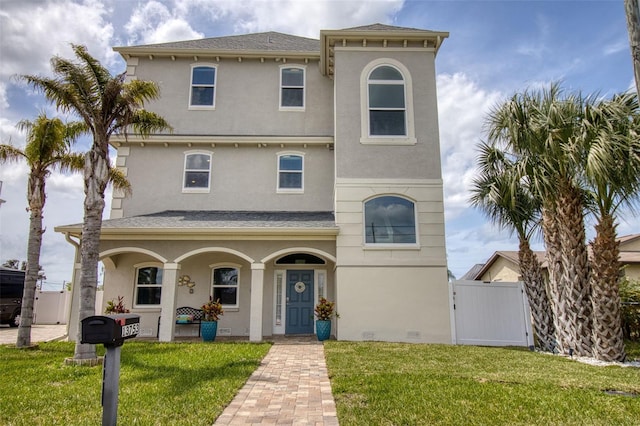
[632, 271]
[243, 178]
[246, 99]
[502, 270]
[357, 160]
[393, 304]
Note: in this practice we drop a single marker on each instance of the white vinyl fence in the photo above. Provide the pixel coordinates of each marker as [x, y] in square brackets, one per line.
[490, 314]
[52, 307]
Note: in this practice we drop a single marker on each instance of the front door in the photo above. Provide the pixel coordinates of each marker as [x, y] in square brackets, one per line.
[299, 302]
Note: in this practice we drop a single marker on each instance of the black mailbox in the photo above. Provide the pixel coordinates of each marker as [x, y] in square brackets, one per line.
[110, 329]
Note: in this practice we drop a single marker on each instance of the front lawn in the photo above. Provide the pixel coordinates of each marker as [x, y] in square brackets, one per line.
[405, 384]
[160, 383]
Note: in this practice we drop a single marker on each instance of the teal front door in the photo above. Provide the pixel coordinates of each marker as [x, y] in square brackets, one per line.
[299, 302]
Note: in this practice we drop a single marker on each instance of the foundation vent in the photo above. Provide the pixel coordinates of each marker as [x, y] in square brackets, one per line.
[224, 331]
[413, 334]
[367, 335]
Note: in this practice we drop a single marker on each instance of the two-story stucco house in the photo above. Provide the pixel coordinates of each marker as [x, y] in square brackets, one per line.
[297, 168]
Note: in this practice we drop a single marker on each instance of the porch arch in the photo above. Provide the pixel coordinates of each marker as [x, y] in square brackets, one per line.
[214, 249]
[105, 256]
[292, 250]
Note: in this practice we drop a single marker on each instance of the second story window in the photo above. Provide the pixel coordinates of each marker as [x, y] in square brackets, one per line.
[389, 219]
[197, 172]
[387, 106]
[290, 173]
[292, 88]
[203, 86]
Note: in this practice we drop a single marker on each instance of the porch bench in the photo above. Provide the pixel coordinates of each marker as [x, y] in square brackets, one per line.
[186, 315]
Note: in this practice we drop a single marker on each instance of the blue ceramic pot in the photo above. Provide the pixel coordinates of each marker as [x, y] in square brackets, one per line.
[323, 329]
[209, 330]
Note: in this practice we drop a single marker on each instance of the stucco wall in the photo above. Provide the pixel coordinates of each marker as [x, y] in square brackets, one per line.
[246, 99]
[356, 160]
[243, 178]
[393, 304]
[502, 270]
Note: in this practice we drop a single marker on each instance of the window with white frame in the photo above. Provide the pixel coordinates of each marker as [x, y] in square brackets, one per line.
[292, 80]
[389, 219]
[387, 106]
[386, 103]
[197, 171]
[203, 86]
[148, 285]
[225, 285]
[290, 172]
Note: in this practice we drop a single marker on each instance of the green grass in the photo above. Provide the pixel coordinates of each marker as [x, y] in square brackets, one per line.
[160, 383]
[403, 384]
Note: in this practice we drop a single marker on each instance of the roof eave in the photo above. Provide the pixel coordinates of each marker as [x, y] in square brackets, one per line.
[129, 51]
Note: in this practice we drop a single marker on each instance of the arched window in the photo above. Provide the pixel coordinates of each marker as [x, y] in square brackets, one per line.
[203, 86]
[389, 220]
[387, 104]
[290, 172]
[197, 171]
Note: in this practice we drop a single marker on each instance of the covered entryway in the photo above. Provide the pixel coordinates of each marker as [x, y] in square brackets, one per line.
[299, 319]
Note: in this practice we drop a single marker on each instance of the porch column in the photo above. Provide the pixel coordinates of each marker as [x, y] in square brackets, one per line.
[168, 303]
[257, 291]
[73, 322]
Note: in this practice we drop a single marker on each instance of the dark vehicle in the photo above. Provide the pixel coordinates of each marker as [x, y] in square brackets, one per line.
[11, 288]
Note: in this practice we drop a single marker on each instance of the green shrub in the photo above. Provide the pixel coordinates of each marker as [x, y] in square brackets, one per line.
[630, 297]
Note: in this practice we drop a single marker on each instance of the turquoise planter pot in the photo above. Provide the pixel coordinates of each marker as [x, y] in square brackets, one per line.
[209, 330]
[323, 329]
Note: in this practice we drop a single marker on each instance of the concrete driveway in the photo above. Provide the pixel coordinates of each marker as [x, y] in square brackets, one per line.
[39, 333]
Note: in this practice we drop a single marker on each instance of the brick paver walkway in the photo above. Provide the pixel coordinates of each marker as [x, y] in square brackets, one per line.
[291, 387]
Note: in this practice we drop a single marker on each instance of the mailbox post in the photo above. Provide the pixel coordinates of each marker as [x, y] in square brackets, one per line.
[111, 331]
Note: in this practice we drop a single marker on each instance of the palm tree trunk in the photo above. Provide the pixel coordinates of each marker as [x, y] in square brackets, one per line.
[96, 172]
[605, 296]
[576, 312]
[633, 26]
[537, 294]
[554, 268]
[36, 196]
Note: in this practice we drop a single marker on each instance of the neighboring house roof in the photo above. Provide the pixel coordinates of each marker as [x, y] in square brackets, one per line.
[248, 44]
[202, 222]
[472, 273]
[626, 257]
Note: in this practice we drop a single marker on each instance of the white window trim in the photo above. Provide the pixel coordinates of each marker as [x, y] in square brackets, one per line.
[138, 266]
[215, 86]
[390, 246]
[304, 88]
[187, 190]
[289, 190]
[215, 266]
[365, 137]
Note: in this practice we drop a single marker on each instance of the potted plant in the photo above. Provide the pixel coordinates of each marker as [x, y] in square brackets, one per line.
[211, 311]
[324, 311]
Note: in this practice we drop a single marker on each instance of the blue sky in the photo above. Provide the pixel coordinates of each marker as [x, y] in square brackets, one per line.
[495, 48]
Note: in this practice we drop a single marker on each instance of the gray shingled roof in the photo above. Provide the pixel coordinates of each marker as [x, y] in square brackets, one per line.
[224, 219]
[268, 41]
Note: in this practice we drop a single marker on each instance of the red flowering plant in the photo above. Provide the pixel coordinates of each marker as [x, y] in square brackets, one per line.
[212, 310]
[324, 309]
[116, 308]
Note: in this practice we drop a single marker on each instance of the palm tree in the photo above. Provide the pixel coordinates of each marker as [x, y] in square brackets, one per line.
[501, 193]
[613, 177]
[48, 147]
[541, 129]
[633, 26]
[108, 105]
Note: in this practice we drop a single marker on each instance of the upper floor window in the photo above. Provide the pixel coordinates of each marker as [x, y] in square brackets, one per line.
[290, 173]
[292, 81]
[197, 171]
[387, 103]
[225, 285]
[148, 285]
[203, 86]
[389, 220]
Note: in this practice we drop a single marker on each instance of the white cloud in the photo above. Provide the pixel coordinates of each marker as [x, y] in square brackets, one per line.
[153, 22]
[462, 108]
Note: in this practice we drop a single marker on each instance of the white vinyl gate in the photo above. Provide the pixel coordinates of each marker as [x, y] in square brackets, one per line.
[490, 314]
